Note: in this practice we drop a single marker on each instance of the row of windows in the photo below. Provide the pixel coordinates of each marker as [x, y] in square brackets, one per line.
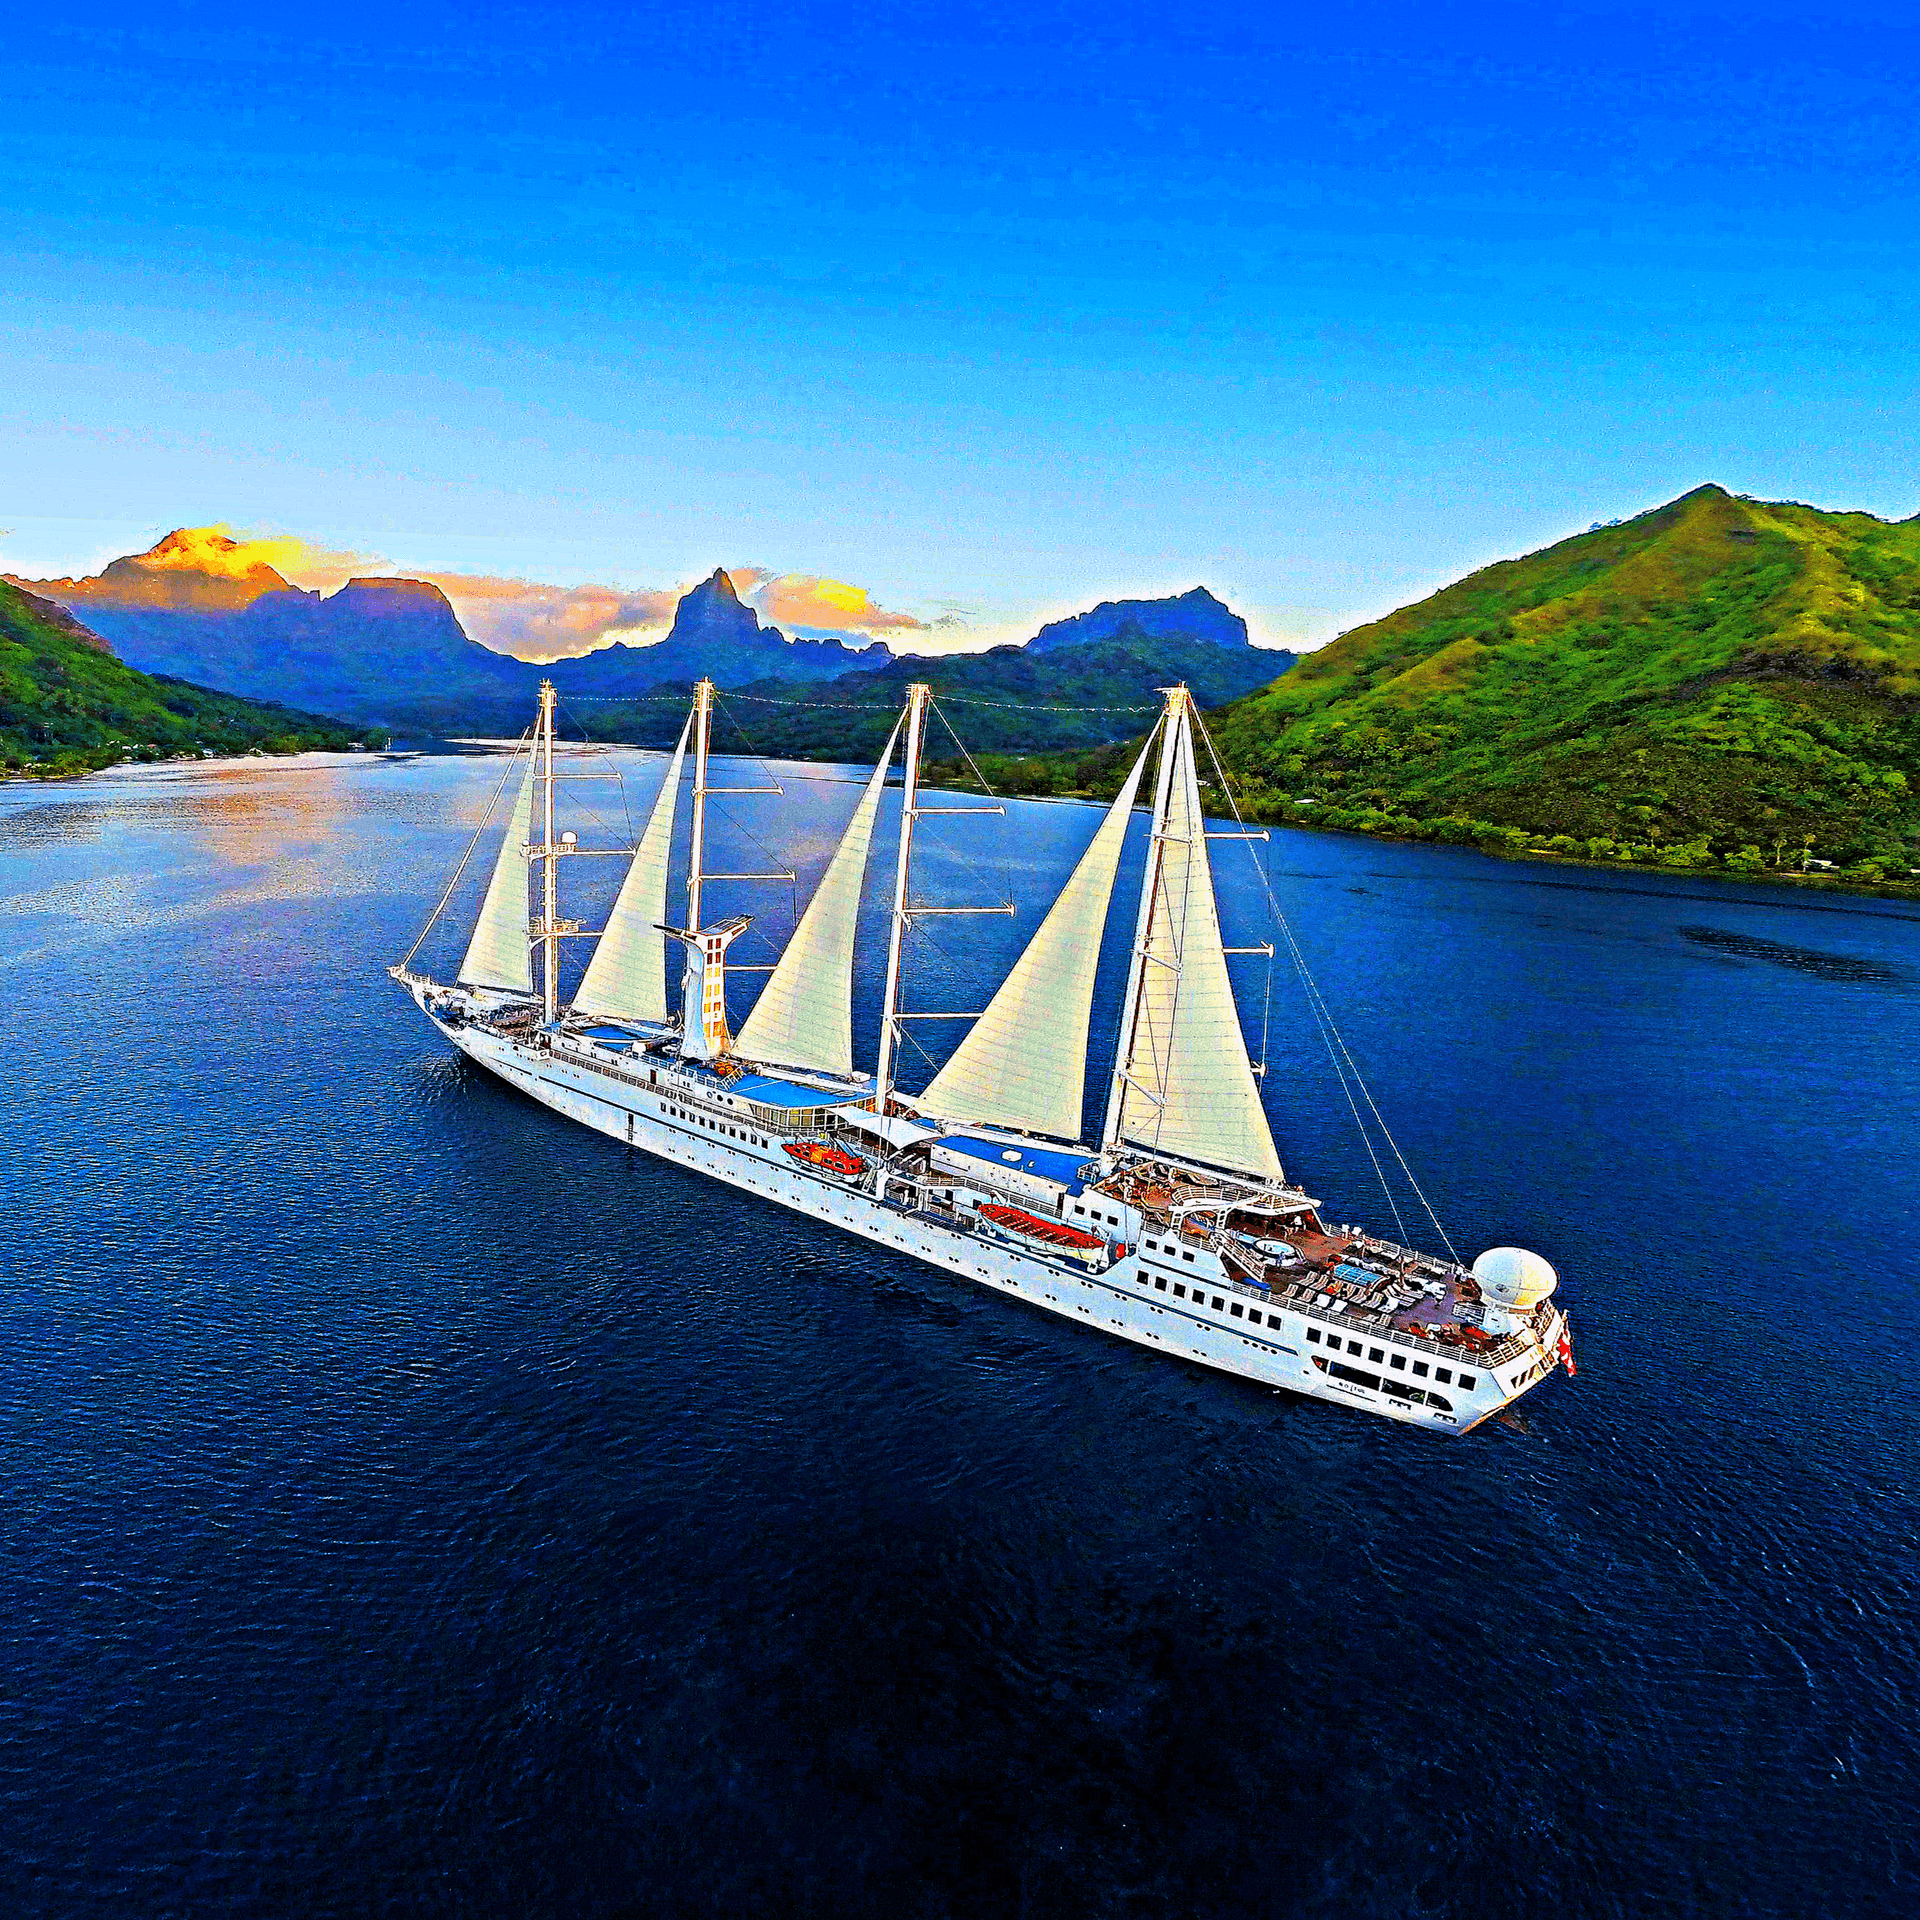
[1199, 1298]
[1397, 1361]
[1094, 1213]
[1398, 1388]
[714, 1126]
[1154, 1246]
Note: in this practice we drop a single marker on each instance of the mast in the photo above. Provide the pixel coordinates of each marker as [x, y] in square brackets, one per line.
[1174, 715]
[1183, 1085]
[706, 970]
[550, 876]
[917, 695]
[702, 734]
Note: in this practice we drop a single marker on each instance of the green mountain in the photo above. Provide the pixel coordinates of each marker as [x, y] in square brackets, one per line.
[68, 704]
[1719, 682]
[999, 702]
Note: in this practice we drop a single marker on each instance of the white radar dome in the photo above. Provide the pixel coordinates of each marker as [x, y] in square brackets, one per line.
[1512, 1277]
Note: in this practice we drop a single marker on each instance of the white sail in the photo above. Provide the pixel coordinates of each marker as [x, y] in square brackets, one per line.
[804, 1016]
[627, 977]
[1024, 1060]
[498, 954]
[1188, 1088]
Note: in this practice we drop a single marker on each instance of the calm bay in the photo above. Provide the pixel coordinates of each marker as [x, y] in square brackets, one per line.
[420, 1505]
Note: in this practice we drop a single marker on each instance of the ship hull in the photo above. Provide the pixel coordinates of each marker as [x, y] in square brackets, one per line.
[662, 1119]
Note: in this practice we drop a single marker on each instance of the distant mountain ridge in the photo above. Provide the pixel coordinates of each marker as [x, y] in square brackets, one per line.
[1003, 701]
[391, 649]
[1194, 615]
[345, 652]
[192, 569]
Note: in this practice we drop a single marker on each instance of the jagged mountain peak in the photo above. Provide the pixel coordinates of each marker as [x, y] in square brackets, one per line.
[713, 613]
[189, 547]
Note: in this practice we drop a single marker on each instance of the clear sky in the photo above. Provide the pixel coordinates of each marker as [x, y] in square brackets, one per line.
[994, 310]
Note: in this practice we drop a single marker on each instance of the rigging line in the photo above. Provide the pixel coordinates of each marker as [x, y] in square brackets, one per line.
[766, 772]
[587, 810]
[905, 1039]
[1266, 1023]
[633, 839]
[918, 931]
[733, 720]
[1323, 1021]
[1313, 989]
[606, 753]
[793, 886]
[812, 779]
[853, 706]
[1034, 706]
[1386, 1133]
[1006, 864]
[1266, 1011]
[962, 745]
[1330, 1033]
[758, 759]
[513, 760]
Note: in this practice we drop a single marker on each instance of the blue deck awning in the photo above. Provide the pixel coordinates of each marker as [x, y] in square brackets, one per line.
[1041, 1163]
[768, 1092]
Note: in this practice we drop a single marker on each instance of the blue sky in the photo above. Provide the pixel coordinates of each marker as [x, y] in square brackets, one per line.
[993, 312]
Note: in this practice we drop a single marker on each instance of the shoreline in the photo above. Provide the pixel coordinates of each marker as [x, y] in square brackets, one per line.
[193, 763]
[1817, 883]
[1545, 857]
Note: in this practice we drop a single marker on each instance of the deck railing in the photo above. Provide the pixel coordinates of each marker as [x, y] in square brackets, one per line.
[1298, 1295]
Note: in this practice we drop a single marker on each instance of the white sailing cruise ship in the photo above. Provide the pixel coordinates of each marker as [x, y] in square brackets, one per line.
[1177, 1230]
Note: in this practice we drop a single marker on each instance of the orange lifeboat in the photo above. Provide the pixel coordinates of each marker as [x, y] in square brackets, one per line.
[1050, 1236]
[829, 1159]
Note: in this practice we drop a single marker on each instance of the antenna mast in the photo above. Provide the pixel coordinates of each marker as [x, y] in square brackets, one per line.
[919, 697]
[550, 876]
[702, 733]
[696, 985]
[909, 806]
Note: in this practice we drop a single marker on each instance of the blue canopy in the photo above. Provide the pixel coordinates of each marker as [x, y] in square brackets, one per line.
[1043, 1163]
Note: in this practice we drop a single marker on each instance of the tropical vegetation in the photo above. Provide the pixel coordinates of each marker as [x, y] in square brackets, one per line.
[68, 705]
[1720, 683]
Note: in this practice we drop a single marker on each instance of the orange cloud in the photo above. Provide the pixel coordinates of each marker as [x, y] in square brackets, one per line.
[806, 600]
[219, 549]
[542, 623]
[216, 567]
[212, 568]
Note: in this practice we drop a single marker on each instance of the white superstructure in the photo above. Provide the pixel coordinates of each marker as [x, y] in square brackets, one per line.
[1178, 1231]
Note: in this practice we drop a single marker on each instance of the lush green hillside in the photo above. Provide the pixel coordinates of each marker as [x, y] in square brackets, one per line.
[1717, 683]
[1002, 701]
[67, 704]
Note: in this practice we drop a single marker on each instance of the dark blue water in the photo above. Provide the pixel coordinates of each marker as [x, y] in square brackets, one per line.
[417, 1505]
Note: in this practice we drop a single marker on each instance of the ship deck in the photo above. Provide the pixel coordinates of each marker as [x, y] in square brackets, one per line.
[1343, 1275]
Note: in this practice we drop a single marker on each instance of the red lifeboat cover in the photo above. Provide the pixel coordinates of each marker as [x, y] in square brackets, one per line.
[816, 1153]
[1015, 1220]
